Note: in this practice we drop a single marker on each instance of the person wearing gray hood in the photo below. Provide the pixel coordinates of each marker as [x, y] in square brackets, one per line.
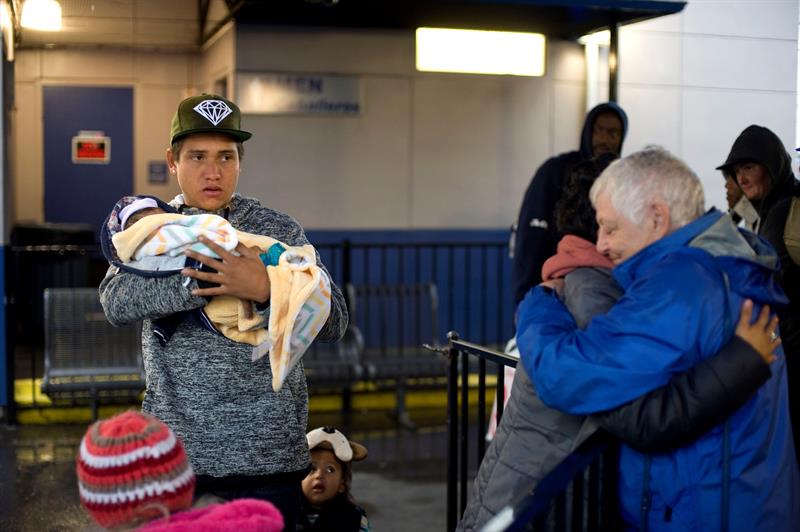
[764, 172]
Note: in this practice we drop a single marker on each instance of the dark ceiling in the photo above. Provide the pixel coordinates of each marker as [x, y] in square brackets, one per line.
[567, 19]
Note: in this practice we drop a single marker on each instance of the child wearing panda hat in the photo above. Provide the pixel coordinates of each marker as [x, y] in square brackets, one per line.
[327, 503]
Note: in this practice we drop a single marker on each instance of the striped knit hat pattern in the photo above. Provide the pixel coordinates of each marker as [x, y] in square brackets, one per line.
[132, 468]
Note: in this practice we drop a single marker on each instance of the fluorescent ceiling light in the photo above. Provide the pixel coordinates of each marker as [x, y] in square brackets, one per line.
[42, 15]
[600, 38]
[480, 52]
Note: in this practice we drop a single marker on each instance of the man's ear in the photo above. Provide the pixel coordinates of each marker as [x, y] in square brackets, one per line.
[171, 162]
[660, 219]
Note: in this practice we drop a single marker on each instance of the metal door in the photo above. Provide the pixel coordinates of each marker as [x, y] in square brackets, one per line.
[81, 192]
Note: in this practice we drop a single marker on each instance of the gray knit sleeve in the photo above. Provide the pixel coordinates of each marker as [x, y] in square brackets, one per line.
[127, 298]
[337, 322]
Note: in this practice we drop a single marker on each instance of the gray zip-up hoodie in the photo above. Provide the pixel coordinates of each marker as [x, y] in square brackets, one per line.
[205, 386]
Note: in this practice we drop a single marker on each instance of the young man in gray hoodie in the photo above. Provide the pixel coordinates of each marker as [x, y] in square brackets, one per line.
[243, 439]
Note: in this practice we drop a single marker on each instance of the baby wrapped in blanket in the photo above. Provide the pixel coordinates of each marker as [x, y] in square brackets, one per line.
[152, 239]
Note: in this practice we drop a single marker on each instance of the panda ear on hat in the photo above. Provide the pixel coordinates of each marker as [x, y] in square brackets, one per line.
[333, 440]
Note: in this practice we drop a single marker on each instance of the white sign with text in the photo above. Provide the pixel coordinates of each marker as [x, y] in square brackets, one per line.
[298, 94]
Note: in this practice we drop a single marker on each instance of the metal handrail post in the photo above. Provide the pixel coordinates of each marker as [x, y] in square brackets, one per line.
[464, 436]
[452, 432]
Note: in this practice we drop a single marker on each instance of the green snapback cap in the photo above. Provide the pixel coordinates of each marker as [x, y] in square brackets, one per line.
[207, 113]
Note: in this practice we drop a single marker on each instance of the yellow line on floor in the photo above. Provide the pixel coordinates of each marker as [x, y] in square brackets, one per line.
[35, 407]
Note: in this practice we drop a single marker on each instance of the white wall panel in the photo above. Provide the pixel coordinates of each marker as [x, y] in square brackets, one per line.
[737, 65]
[568, 114]
[526, 141]
[457, 126]
[331, 171]
[650, 57]
[565, 61]
[689, 82]
[766, 19]
[654, 114]
[477, 137]
[725, 62]
[710, 126]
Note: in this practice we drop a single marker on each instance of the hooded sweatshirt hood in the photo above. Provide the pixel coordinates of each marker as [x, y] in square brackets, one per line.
[588, 125]
[113, 225]
[574, 252]
[760, 145]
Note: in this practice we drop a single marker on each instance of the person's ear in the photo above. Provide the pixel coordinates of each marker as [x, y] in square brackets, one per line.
[660, 219]
[341, 487]
[171, 162]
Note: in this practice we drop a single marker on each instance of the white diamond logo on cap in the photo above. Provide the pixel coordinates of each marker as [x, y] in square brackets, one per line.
[214, 111]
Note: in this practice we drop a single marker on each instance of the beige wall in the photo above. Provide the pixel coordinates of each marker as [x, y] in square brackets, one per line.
[437, 150]
[159, 80]
[427, 151]
[217, 61]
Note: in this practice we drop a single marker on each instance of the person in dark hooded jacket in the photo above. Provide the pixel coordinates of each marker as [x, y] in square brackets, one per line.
[534, 238]
[763, 170]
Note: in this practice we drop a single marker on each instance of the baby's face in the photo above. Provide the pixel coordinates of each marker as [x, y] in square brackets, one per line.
[141, 213]
[325, 479]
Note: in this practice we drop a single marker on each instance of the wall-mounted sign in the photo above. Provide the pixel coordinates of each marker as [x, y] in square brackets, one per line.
[298, 94]
[91, 147]
[157, 172]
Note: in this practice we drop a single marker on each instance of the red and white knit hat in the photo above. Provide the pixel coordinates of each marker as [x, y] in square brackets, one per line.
[132, 468]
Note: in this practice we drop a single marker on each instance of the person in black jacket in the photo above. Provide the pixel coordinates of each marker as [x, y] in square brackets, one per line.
[533, 237]
[764, 172]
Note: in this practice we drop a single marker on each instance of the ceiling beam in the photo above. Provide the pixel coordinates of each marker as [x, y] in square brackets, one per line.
[233, 8]
[202, 18]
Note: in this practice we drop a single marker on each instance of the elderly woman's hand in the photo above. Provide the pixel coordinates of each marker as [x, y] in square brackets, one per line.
[762, 334]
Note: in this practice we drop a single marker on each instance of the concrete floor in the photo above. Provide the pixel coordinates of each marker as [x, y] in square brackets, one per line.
[401, 485]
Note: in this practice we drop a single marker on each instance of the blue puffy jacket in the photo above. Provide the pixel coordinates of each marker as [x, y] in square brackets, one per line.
[676, 311]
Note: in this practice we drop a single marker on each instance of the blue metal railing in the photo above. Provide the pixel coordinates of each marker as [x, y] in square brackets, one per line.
[578, 494]
[472, 281]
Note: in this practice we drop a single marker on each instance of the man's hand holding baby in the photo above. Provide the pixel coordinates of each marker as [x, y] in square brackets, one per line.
[243, 276]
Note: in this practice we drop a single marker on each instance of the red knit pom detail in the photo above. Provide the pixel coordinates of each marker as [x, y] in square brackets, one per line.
[131, 468]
